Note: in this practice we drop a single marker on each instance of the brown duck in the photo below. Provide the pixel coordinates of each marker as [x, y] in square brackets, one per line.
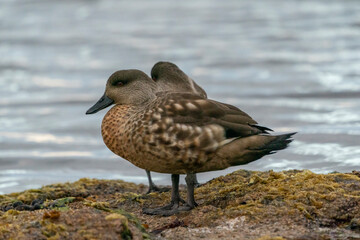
[178, 133]
[170, 78]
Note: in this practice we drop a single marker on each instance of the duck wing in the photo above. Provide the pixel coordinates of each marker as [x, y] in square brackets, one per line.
[187, 108]
[187, 120]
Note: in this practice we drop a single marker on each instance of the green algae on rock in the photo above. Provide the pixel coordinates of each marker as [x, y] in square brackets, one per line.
[64, 211]
[241, 205]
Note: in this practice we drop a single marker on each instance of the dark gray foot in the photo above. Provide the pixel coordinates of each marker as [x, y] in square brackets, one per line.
[167, 210]
[174, 207]
[153, 187]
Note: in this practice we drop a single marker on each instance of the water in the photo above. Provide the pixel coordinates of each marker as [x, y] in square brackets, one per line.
[292, 65]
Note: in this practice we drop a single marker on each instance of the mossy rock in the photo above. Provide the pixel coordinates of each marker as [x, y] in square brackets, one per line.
[241, 205]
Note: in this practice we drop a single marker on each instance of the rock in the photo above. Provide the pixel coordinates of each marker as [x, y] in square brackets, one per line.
[241, 205]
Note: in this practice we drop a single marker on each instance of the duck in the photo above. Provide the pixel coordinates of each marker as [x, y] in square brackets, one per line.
[178, 133]
[170, 78]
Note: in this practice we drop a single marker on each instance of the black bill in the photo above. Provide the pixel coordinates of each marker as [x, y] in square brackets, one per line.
[103, 102]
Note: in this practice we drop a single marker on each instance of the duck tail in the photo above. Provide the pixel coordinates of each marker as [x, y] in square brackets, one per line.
[249, 149]
[279, 142]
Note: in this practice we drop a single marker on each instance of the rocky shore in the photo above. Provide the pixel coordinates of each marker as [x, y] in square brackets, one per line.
[241, 205]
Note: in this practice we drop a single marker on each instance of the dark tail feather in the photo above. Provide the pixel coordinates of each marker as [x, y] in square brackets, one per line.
[248, 149]
[280, 142]
[262, 128]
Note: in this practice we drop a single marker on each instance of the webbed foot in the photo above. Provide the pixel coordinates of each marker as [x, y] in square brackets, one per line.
[154, 188]
[167, 210]
[174, 207]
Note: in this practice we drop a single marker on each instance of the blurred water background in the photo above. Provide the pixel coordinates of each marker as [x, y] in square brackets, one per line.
[292, 65]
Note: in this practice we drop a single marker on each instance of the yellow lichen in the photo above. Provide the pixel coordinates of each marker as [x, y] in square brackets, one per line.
[99, 205]
[113, 216]
[80, 188]
[270, 238]
[11, 212]
[129, 196]
[53, 231]
[304, 191]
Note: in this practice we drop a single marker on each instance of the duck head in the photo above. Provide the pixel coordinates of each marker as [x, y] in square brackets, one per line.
[170, 77]
[132, 87]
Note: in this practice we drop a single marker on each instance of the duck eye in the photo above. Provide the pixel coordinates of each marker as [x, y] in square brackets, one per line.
[119, 83]
[154, 76]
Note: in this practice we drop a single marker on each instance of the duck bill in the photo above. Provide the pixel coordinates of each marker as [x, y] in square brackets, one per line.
[103, 102]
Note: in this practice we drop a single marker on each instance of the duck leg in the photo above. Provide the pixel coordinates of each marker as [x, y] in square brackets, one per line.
[191, 183]
[153, 187]
[174, 206]
[171, 208]
[197, 184]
